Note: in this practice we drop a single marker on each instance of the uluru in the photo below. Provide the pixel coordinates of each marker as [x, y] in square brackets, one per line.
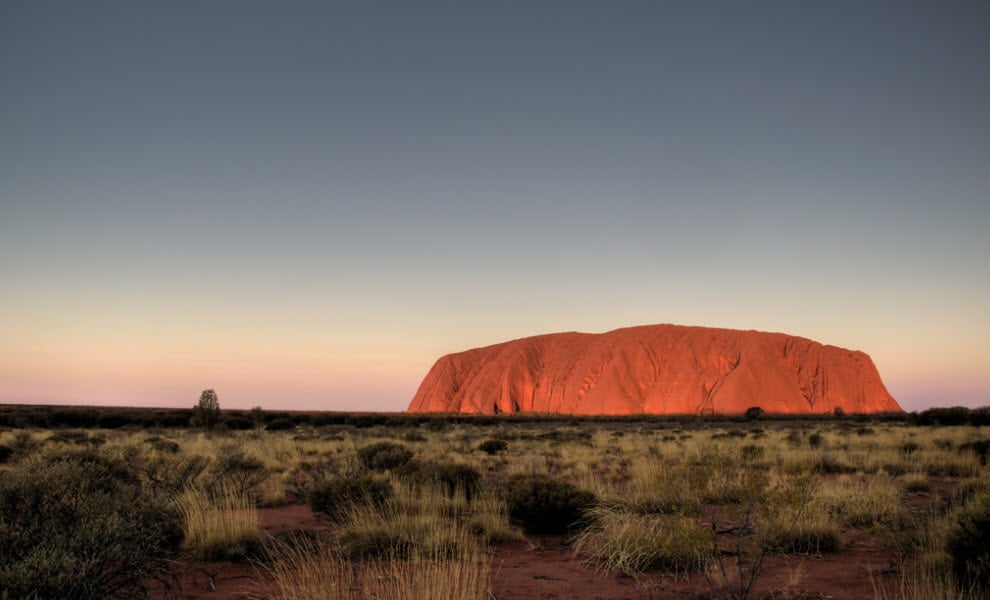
[655, 369]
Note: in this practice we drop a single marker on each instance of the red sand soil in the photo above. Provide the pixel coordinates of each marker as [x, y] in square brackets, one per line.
[655, 369]
[544, 568]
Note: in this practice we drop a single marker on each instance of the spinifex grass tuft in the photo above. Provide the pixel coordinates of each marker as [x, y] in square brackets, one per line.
[221, 525]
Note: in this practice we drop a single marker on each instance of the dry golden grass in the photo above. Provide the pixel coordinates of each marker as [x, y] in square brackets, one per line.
[214, 525]
[311, 570]
[807, 480]
[630, 544]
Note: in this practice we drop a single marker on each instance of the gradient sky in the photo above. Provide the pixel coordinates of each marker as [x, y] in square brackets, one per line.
[303, 205]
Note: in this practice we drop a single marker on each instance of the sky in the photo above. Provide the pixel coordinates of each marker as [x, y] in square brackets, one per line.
[302, 205]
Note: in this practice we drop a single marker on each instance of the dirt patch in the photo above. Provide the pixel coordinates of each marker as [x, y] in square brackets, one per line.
[546, 568]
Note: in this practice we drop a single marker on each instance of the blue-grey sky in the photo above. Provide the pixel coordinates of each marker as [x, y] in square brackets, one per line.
[304, 204]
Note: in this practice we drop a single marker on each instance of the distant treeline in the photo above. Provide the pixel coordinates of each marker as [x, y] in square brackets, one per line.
[21, 416]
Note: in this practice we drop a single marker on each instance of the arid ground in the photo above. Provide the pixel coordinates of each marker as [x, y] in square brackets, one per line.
[833, 507]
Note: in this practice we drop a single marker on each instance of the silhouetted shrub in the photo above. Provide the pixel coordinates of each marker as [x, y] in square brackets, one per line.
[953, 415]
[175, 420]
[753, 413]
[815, 440]
[112, 420]
[79, 526]
[543, 505]
[334, 498]
[280, 424]
[968, 544]
[5, 453]
[979, 417]
[238, 423]
[492, 447]
[74, 417]
[384, 455]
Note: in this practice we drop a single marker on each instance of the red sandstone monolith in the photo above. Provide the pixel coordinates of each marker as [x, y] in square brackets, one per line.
[655, 369]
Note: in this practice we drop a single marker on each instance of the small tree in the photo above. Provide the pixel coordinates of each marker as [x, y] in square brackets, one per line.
[258, 416]
[753, 413]
[207, 412]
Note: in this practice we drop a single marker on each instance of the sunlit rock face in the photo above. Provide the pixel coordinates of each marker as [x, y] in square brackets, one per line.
[655, 369]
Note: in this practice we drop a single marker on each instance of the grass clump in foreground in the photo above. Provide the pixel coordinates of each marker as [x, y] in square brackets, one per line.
[336, 498]
[304, 569]
[631, 544]
[221, 525]
[805, 531]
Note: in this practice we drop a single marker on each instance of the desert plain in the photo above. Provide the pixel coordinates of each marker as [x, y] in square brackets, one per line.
[329, 505]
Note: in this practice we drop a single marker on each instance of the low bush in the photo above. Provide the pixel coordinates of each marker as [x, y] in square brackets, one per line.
[968, 544]
[753, 413]
[542, 505]
[493, 447]
[336, 498]
[382, 456]
[238, 423]
[235, 468]
[72, 527]
[280, 424]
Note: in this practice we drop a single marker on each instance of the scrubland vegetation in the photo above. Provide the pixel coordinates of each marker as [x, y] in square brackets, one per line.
[413, 509]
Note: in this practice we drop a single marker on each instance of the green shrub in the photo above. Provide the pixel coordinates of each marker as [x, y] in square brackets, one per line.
[493, 447]
[335, 498]
[72, 527]
[236, 469]
[968, 544]
[382, 456]
[543, 505]
[449, 477]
